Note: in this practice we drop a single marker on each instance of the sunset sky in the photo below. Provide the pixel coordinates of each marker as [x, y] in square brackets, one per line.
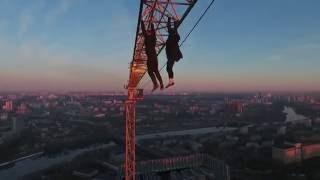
[83, 45]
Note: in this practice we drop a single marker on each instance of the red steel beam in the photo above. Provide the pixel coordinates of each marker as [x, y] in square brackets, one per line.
[156, 12]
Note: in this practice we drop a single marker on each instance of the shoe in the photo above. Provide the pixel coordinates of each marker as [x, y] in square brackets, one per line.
[155, 87]
[170, 84]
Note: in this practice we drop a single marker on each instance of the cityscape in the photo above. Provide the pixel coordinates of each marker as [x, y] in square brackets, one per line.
[79, 135]
[159, 90]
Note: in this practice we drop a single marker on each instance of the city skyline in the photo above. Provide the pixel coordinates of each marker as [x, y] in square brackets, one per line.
[87, 46]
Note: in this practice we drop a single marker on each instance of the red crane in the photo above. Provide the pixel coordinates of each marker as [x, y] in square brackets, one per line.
[156, 12]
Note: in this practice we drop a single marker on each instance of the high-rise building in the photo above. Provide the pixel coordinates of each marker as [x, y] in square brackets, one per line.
[235, 106]
[3, 116]
[8, 106]
[22, 109]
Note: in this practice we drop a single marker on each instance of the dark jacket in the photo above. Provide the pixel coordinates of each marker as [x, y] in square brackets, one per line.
[150, 41]
[172, 46]
[150, 45]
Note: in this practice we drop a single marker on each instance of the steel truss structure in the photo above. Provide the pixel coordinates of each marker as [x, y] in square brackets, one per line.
[156, 12]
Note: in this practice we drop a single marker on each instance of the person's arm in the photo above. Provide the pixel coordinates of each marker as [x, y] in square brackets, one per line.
[176, 29]
[143, 28]
[169, 24]
[176, 23]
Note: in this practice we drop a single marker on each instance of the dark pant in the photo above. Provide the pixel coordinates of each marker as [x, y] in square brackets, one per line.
[154, 72]
[169, 68]
[153, 75]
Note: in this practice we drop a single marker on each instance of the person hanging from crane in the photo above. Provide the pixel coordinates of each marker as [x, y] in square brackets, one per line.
[152, 62]
[172, 49]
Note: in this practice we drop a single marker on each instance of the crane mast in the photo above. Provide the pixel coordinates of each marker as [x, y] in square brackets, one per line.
[156, 12]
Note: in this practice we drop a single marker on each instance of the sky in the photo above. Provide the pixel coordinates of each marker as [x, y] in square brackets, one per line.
[86, 45]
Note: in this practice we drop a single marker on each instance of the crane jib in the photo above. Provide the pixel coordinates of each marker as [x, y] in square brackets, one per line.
[154, 12]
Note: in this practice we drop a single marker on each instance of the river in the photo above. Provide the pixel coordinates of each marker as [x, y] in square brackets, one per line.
[186, 132]
[292, 115]
[28, 166]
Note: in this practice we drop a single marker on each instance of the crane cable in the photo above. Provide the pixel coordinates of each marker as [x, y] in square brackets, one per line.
[184, 40]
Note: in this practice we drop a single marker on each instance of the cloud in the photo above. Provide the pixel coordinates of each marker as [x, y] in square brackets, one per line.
[305, 49]
[24, 23]
[3, 24]
[34, 66]
[59, 11]
[27, 17]
[36, 63]
[299, 61]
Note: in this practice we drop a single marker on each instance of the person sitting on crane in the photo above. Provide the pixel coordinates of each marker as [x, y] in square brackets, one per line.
[172, 49]
[152, 62]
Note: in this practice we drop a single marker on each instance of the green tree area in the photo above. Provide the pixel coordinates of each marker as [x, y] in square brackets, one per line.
[19, 145]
